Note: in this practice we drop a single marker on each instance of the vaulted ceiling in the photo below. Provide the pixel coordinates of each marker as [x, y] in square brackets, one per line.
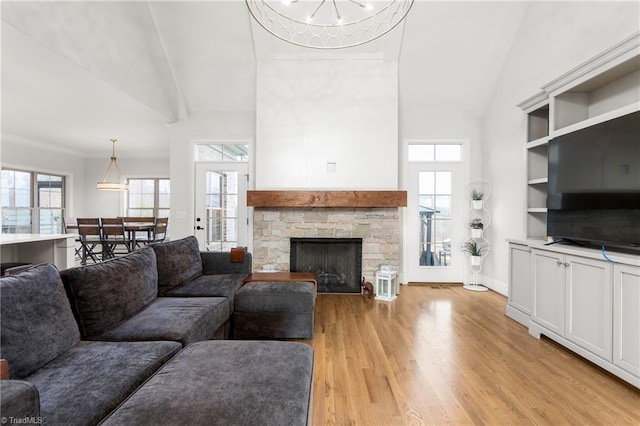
[76, 74]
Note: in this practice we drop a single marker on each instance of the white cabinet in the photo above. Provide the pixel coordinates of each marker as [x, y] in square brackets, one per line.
[575, 297]
[572, 298]
[520, 292]
[548, 290]
[588, 314]
[626, 321]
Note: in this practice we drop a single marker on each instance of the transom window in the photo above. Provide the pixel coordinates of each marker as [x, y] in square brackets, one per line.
[435, 152]
[222, 152]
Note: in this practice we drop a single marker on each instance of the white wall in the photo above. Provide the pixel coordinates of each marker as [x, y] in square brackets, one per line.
[199, 127]
[112, 204]
[318, 111]
[26, 154]
[554, 38]
[83, 199]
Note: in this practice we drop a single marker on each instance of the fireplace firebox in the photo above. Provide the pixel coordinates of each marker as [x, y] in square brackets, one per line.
[337, 262]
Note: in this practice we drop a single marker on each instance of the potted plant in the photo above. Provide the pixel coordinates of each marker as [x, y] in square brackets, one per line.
[476, 226]
[476, 197]
[475, 251]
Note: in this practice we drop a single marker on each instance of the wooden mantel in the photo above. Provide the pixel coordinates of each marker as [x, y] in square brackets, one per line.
[327, 198]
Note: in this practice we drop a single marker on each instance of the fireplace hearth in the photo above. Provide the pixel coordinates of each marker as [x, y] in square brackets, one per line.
[337, 262]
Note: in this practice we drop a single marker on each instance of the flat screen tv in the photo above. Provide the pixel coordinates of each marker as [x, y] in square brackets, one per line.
[594, 184]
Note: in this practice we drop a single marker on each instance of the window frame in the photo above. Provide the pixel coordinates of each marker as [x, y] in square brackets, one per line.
[35, 208]
[156, 197]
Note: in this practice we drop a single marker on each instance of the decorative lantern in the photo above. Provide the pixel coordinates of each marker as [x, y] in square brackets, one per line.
[386, 285]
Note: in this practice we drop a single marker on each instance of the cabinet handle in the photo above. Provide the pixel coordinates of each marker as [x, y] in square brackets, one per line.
[566, 264]
[559, 262]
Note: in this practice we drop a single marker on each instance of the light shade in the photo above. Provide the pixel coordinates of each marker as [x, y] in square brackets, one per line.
[106, 184]
[328, 24]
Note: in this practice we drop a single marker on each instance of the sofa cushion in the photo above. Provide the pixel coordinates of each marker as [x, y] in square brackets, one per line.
[36, 322]
[250, 383]
[108, 293]
[180, 319]
[223, 285]
[178, 262]
[86, 383]
[19, 399]
[290, 297]
[219, 262]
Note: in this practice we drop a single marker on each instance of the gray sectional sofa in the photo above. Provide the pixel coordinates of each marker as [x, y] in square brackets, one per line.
[128, 341]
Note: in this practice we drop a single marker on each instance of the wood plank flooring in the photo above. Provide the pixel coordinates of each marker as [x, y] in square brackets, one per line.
[445, 355]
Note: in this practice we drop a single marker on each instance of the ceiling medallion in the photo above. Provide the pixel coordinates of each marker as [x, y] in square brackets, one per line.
[328, 24]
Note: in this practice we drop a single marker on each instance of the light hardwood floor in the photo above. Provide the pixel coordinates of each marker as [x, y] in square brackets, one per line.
[444, 355]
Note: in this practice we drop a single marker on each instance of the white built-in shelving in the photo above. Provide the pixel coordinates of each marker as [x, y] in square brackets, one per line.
[571, 294]
[601, 89]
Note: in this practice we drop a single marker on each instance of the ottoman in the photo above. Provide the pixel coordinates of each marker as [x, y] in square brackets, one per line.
[226, 383]
[274, 310]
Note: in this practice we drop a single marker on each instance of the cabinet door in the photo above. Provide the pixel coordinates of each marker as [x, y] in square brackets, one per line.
[626, 318]
[589, 306]
[520, 291]
[548, 290]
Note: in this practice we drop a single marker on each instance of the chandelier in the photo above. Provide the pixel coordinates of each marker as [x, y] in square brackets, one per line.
[105, 184]
[329, 24]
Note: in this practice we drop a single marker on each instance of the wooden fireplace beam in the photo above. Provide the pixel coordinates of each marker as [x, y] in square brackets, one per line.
[327, 198]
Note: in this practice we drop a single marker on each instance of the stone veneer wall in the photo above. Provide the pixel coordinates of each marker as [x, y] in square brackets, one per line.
[379, 229]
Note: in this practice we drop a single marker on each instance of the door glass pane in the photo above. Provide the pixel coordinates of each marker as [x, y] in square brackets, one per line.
[222, 210]
[434, 212]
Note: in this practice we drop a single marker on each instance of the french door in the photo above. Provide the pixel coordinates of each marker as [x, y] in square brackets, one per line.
[434, 232]
[221, 205]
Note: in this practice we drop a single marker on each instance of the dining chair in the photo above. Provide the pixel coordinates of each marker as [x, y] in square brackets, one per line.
[141, 237]
[90, 239]
[114, 239]
[158, 233]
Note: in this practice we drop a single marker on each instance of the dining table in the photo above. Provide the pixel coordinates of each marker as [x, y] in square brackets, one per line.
[132, 228]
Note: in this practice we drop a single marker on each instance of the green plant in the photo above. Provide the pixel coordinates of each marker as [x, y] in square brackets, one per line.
[473, 248]
[475, 195]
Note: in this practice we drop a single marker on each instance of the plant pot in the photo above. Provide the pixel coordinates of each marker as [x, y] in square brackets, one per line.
[477, 204]
[476, 260]
[476, 233]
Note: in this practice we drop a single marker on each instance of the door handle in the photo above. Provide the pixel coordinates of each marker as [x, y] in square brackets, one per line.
[199, 228]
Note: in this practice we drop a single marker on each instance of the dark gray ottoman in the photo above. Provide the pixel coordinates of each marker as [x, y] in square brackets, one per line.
[274, 310]
[226, 383]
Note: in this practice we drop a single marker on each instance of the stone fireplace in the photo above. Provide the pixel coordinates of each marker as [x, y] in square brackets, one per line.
[378, 227]
[337, 262]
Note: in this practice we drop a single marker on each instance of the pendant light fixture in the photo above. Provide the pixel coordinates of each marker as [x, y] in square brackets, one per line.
[119, 185]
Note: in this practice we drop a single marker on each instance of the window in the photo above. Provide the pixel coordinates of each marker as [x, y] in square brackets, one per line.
[32, 202]
[435, 152]
[222, 152]
[148, 197]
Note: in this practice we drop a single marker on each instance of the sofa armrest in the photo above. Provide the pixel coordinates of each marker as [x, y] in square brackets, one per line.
[19, 399]
[219, 262]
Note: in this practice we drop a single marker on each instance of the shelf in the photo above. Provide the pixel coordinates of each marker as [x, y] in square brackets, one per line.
[628, 109]
[611, 94]
[327, 198]
[538, 123]
[538, 142]
[537, 210]
[538, 181]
